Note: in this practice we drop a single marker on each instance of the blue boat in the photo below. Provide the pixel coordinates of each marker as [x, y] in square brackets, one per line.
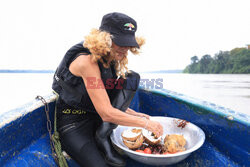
[25, 139]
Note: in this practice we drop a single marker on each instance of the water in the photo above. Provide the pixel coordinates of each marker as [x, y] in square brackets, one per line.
[228, 90]
[231, 91]
[19, 88]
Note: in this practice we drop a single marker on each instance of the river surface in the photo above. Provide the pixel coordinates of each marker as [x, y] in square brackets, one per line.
[227, 90]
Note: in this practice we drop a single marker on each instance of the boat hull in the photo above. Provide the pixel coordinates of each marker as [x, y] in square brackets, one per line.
[24, 139]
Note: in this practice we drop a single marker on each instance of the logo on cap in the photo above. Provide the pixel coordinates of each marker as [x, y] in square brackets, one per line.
[129, 27]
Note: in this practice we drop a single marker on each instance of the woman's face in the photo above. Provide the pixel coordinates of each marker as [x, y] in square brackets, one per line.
[119, 52]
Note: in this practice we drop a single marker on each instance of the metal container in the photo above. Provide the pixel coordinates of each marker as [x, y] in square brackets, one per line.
[194, 136]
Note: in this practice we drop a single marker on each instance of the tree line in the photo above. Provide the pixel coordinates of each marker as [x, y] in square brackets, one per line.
[236, 61]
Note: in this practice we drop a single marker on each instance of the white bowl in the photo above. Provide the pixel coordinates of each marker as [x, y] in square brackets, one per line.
[194, 136]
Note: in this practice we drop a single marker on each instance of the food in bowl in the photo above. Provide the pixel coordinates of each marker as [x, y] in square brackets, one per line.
[132, 138]
[150, 137]
[154, 149]
[174, 143]
[193, 135]
[144, 141]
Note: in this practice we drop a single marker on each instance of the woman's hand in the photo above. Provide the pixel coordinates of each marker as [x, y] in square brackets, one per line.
[154, 127]
[150, 125]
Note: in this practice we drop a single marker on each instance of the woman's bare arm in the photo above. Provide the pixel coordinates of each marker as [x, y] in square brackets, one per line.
[132, 112]
[83, 67]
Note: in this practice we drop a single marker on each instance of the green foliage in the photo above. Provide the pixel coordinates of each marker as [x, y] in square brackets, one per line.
[235, 61]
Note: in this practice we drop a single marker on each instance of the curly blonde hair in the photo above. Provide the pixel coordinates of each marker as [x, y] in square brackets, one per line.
[99, 44]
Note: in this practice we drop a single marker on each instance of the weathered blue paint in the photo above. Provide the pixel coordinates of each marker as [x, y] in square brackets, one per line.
[24, 139]
[27, 126]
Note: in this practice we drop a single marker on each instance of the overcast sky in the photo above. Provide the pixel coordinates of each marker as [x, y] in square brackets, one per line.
[36, 34]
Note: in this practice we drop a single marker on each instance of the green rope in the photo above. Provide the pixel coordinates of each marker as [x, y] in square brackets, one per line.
[58, 149]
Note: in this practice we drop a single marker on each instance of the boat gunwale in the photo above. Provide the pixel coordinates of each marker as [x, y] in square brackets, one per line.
[14, 114]
[224, 112]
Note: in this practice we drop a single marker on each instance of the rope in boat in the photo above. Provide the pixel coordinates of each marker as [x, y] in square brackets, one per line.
[54, 138]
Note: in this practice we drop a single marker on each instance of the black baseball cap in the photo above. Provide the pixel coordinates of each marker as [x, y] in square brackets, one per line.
[121, 27]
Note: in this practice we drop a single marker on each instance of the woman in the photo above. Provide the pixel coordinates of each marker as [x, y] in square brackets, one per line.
[92, 100]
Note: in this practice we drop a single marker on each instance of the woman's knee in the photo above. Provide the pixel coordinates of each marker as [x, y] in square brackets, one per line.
[89, 155]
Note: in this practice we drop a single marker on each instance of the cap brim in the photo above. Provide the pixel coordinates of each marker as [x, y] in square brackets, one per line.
[125, 40]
